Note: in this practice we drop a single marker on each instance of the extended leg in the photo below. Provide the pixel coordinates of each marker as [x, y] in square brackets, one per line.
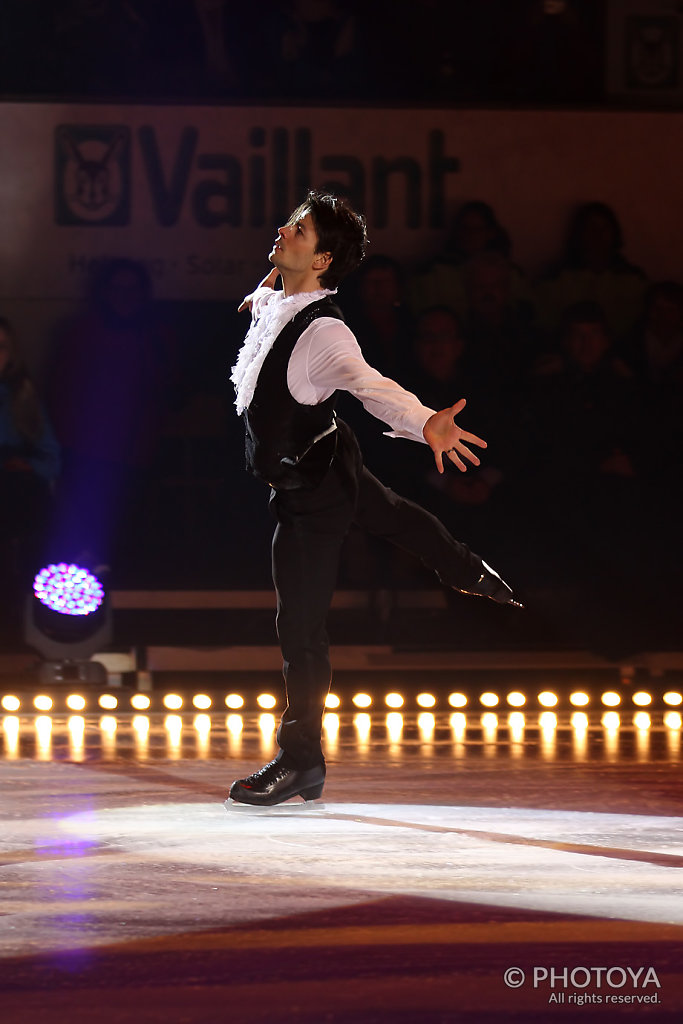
[386, 514]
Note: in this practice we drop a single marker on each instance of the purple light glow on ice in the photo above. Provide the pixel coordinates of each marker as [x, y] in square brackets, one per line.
[68, 589]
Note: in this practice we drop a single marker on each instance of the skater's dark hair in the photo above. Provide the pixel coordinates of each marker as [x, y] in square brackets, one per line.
[340, 230]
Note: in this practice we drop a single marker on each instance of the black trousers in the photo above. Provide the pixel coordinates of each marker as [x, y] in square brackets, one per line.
[311, 526]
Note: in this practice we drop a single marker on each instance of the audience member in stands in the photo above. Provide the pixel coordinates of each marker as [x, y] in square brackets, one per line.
[655, 355]
[499, 325]
[583, 485]
[594, 269]
[113, 377]
[586, 404]
[553, 51]
[377, 314]
[655, 350]
[29, 466]
[475, 504]
[475, 230]
[312, 44]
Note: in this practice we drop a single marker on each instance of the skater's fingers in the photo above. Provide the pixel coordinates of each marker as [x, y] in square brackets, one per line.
[467, 454]
[247, 303]
[458, 407]
[438, 459]
[473, 439]
[456, 460]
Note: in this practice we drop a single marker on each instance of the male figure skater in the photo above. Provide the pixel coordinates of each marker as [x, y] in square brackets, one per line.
[297, 354]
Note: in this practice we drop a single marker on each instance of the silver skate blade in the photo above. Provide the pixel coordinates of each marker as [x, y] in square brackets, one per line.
[293, 806]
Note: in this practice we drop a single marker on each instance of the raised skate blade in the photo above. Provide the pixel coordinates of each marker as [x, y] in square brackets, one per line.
[293, 806]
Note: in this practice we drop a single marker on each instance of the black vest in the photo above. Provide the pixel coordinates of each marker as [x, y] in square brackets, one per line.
[290, 445]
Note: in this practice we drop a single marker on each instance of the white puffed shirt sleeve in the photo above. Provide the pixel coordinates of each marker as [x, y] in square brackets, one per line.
[327, 358]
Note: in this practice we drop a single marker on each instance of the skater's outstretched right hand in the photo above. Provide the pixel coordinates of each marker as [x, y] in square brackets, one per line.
[445, 437]
[267, 282]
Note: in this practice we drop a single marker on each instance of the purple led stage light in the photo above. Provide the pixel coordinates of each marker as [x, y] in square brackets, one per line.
[68, 589]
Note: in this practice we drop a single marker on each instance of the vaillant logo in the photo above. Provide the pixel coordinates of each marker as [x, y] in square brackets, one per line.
[92, 174]
[253, 185]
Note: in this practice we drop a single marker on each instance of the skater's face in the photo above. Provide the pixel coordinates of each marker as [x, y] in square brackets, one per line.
[295, 248]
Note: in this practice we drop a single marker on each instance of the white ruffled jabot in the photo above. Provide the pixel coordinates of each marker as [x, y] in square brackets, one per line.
[274, 312]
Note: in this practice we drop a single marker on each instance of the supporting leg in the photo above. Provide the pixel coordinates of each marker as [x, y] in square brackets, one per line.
[306, 545]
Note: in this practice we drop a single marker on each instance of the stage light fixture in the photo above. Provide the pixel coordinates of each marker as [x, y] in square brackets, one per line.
[547, 699]
[10, 702]
[75, 702]
[108, 702]
[426, 700]
[42, 702]
[457, 700]
[266, 700]
[332, 701]
[67, 619]
[611, 699]
[516, 699]
[173, 701]
[362, 700]
[201, 701]
[673, 699]
[489, 700]
[234, 701]
[642, 699]
[393, 700]
[579, 699]
[140, 701]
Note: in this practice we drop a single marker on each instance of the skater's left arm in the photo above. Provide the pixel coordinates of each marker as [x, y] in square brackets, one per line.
[445, 437]
[327, 357]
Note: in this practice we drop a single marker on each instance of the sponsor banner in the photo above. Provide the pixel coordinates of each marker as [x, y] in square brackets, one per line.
[196, 192]
[645, 50]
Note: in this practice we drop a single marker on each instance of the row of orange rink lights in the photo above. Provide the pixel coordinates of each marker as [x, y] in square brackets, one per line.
[175, 726]
[137, 702]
